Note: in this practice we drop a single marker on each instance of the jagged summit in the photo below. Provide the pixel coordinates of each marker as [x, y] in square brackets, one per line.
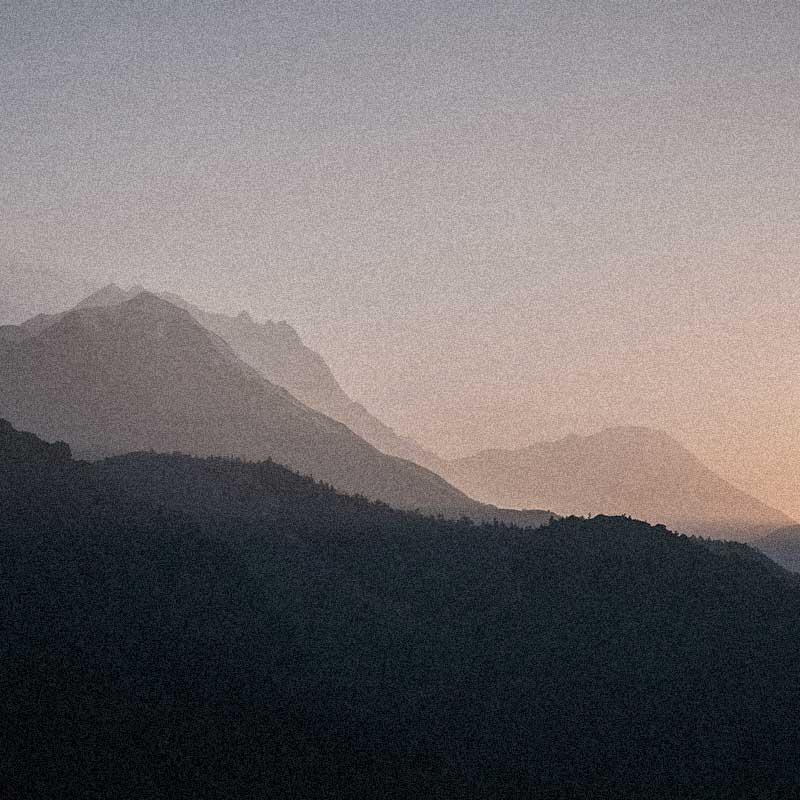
[147, 301]
[106, 297]
[143, 317]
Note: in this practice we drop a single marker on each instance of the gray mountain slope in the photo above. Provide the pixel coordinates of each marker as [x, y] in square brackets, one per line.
[276, 350]
[145, 375]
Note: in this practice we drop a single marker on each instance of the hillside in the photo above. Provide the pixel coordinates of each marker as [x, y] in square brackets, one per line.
[306, 644]
[628, 470]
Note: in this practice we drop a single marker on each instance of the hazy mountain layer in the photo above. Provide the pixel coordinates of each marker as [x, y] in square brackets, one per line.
[145, 374]
[624, 470]
[279, 354]
[634, 471]
[301, 643]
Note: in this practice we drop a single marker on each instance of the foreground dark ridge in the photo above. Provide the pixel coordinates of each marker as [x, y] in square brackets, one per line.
[295, 642]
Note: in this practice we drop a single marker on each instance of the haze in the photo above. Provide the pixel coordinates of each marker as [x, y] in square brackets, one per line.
[497, 222]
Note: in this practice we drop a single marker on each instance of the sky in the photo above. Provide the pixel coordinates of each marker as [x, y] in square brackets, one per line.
[498, 222]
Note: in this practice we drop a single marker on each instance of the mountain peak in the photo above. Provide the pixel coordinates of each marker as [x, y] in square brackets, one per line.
[628, 469]
[143, 305]
[107, 296]
[111, 295]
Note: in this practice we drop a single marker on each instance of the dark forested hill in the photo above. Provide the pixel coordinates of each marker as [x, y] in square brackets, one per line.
[180, 627]
[144, 374]
[627, 470]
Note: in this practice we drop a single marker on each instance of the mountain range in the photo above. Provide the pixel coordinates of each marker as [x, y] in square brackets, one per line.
[144, 374]
[276, 350]
[630, 470]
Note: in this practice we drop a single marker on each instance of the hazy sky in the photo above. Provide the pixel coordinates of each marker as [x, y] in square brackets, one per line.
[497, 221]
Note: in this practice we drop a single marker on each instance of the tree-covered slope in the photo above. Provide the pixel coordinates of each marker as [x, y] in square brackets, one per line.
[295, 642]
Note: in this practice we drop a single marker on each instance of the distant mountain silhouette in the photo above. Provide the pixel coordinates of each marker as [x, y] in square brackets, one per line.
[627, 470]
[176, 627]
[782, 546]
[144, 374]
[621, 470]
